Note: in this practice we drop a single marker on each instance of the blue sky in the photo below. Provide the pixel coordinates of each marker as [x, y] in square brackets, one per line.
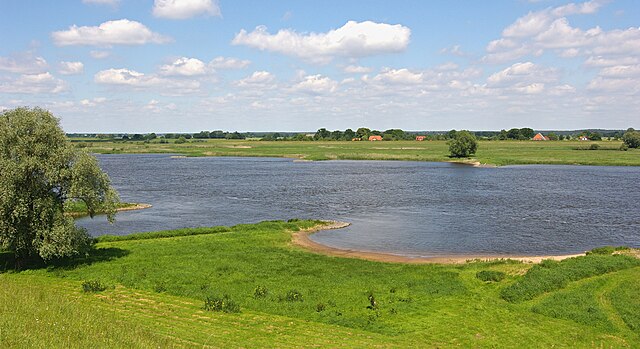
[191, 65]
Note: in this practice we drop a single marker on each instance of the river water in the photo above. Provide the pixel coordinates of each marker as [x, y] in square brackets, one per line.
[406, 208]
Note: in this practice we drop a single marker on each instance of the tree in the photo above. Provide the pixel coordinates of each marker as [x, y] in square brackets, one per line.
[41, 171]
[463, 144]
[321, 134]
[527, 133]
[631, 138]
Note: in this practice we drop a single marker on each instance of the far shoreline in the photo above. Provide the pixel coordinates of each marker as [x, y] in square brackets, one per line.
[132, 207]
[302, 239]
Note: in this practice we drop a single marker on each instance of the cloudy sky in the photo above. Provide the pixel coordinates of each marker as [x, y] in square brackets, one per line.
[191, 65]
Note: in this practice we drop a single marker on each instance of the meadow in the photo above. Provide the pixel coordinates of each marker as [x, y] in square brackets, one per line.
[497, 153]
[260, 290]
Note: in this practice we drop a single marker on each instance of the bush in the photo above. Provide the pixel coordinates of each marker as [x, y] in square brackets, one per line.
[221, 304]
[624, 147]
[490, 275]
[260, 292]
[607, 250]
[180, 140]
[594, 146]
[320, 307]
[464, 144]
[631, 138]
[293, 296]
[93, 286]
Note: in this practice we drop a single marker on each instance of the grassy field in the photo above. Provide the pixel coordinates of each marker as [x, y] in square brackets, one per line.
[489, 152]
[157, 283]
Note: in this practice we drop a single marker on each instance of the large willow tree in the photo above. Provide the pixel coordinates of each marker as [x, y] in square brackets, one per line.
[39, 171]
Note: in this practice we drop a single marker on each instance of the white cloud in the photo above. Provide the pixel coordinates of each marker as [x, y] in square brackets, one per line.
[100, 54]
[184, 67]
[354, 39]
[23, 63]
[43, 83]
[102, 2]
[183, 9]
[454, 50]
[71, 68]
[134, 79]
[118, 32]
[522, 75]
[257, 79]
[599, 61]
[229, 63]
[316, 84]
[93, 101]
[399, 76]
[356, 69]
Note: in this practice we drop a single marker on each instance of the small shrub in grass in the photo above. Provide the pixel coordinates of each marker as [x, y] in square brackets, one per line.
[320, 307]
[293, 296]
[594, 146]
[490, 275]
[293, 220]
[93, 286]
[260, 292]
[624, 147]
[221, 304]
[373, 303]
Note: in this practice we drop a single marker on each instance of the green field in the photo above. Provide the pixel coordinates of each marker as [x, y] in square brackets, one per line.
[156, 286]
[489, 152]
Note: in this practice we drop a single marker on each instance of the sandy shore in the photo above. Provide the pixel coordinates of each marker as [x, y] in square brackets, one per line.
[128, 208]
[301, 238]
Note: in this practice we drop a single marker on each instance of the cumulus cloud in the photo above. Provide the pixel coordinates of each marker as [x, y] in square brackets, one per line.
[118, 32]
[399, 76]
[184, 67]
[43, 83]
[257, 79]
[522, 74]
[71, 68]
[356, 69]
[316, 84]
[229, 63]
[100, 54]
[93, 101]
[352, 40]
[183, 9]
[134, 79]
[23, 63]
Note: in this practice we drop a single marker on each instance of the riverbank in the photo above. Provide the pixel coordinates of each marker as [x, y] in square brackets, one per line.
[80, 210]
[302, 239]
[490, 153]
[152, 288]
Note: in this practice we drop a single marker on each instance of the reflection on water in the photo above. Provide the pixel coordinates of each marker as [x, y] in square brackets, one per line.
[411, 208]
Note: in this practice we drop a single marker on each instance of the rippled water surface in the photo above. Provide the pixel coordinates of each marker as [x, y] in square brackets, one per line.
[409, 208]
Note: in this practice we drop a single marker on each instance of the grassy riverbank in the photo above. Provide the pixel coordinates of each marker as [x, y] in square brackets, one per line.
[79, 208]
[489, 152]
[156, 286]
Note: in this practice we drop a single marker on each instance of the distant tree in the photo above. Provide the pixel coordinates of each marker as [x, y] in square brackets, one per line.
[502, 135]
[217, 134]
[363, 133]
[125, 137]
[527, 133]
[321, 134]
[631, 138]
[463, 144]
[595, 136]
[552, 136]
[336, 135]
[41, 171]
[451, 134]
[137, 137]
[349, 134]
[150, 136]
[234, 135]
[181, 140]
[187, 136]
[201, 135]
[514, 133]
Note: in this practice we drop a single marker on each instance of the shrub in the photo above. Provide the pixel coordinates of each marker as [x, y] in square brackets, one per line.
[260, 292]
[293, 296]
[320, 307]
[594, 146]
[607, 250]
[624, 147]
[221, 304]
[490, 275]
[93, 286]
[631, 138]
[180, 140]
[464, 144]
[373, 303]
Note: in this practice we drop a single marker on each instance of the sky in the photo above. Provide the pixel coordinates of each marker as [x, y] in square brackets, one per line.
[191, 65]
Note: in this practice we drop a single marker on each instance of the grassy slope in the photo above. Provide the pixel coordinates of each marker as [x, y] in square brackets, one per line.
[161, 284]
[490, 152]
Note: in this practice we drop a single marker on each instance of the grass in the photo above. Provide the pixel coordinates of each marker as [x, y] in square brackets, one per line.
[287, 297]
[79, 208]
[489, 152]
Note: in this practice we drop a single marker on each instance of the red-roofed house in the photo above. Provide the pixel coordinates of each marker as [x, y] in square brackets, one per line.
[540, 137]
[375, 138]
[420, 138]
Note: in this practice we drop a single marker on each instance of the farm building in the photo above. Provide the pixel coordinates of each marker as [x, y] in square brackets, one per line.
[583, 138]
[540, 137]
[420, 138]
[375, 138]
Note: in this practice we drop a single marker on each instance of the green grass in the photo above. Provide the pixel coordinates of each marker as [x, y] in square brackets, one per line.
[289, 297]
[489, 152]
[79, 208]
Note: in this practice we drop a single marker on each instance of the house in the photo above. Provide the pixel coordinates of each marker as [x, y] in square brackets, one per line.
[356, 139]
[420, 138]
[540, 137]
[583, 138]
[375, 138]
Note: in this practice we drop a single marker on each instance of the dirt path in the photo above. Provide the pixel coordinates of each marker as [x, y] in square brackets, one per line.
[301, 238]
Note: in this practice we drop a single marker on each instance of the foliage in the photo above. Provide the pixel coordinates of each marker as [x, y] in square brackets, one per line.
[490, 275]
[551, 275]
[293, 296]
[40, 172]
[260, 292]
[594, 146]
[625, 300]
[631, 138]
[607, 250]
[93, 286]
[221, 304]
[181, 140]
[464, 144]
